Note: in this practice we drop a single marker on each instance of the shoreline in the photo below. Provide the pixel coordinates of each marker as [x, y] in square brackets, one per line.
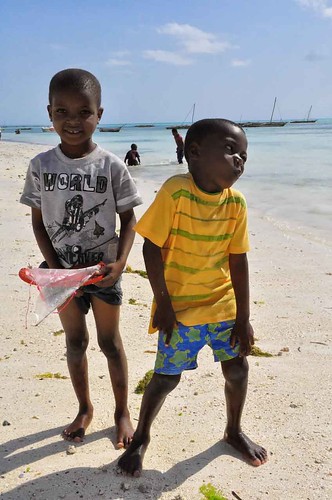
[288, 404]
[305, 211]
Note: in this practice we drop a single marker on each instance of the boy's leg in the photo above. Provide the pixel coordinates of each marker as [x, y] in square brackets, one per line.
[77, 339]
[236, 382]
[155, 394]
[107, 323]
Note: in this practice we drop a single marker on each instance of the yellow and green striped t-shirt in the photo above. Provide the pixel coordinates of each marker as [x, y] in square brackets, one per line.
[196, 232]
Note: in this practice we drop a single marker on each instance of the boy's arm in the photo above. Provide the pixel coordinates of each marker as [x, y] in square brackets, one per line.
[43, 240]
[127, 235]
[164, 318]
[242, 330]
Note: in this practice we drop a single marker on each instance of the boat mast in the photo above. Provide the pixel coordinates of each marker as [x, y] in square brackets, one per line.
[193, 113]
[274, 105]
[309, 113]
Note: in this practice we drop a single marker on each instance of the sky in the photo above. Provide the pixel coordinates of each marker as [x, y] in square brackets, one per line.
[155, 58]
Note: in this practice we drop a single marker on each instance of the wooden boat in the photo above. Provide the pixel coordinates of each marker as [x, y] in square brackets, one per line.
[48, 129]
[271, 123]
[182, 126]
[305, 120]
[110, 129]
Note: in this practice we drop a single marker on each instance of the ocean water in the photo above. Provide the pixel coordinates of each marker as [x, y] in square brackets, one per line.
[288, 175]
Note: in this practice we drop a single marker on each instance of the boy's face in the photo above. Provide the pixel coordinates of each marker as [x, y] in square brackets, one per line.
[75, 116]
[218, 161]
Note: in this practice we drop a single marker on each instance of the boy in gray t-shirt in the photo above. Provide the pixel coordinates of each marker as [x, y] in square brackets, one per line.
[75, 191]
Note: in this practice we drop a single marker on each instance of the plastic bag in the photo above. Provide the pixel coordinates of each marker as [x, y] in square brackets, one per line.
[57, 286]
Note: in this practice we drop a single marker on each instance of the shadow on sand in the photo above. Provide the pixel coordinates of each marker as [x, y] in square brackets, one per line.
[93, 482]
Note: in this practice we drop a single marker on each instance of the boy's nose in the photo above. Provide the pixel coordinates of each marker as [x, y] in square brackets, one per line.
[72, 117]
[239, 161]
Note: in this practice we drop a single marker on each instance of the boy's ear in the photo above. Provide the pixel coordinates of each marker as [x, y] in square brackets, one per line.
[49, 110]
[194, 150]
[100, 113]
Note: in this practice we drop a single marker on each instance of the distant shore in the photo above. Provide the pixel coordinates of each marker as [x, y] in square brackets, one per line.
[288, 407]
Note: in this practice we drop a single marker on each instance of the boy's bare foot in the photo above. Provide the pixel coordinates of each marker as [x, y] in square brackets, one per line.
[131, 461]
[76, 430]
[256, 455]
[124, 430]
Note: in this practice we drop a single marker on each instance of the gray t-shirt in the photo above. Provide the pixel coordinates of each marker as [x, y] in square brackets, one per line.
[79, 199]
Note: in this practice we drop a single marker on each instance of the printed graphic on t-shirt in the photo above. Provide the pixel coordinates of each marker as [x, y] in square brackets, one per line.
[76, 218]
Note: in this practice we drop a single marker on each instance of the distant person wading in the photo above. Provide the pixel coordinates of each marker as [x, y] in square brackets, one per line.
[132, 157]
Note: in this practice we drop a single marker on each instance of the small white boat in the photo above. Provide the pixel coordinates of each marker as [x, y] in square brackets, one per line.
[48, 129]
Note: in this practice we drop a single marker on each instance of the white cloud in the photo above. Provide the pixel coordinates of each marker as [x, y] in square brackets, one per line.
[117, 62]
[194, 40]
[320, 6]
[237, 63]
[167, 57]
[119, 58]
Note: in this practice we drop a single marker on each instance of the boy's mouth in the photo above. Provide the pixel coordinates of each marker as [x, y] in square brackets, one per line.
[72, 132]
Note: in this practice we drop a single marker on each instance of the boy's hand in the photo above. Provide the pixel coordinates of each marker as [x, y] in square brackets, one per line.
[112, 273]
[242, 333]
[164, 319]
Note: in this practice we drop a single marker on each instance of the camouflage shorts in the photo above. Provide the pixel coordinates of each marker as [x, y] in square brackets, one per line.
[187, 341]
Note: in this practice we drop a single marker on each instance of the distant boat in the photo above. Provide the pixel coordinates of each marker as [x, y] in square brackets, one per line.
[271, 123]
[110, 129]
[144, 125]
[17, 131]
[305, 120]
[48, 129]
[192, 111]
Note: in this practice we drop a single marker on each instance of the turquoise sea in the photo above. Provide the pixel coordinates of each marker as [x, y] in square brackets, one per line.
[288, 176]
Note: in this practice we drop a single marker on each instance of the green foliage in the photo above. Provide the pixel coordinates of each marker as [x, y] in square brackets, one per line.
[211, 493]
[58, 375]
[256, 351]
[58, 332]
[140, 272]
[141, 386]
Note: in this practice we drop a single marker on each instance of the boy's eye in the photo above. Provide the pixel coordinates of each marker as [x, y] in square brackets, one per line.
[85, 112]
[60, 110]
[229, 147]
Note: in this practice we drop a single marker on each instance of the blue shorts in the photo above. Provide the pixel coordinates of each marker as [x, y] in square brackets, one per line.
[187, 341]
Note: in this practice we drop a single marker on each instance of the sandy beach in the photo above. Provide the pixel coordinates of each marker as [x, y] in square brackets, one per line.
[288, 406]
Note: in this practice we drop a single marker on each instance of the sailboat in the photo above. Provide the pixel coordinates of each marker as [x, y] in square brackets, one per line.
[271, 123]
[182, 126]
[305, 120]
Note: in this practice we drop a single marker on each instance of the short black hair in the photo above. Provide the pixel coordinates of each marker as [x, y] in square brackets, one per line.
[75, 79]
[174, 130]
[133, 146]
[203, 128]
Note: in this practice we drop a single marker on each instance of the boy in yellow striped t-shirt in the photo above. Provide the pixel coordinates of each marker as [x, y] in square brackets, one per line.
[195, 244]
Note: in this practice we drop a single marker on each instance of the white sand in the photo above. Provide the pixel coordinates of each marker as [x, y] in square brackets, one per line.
[288, 407]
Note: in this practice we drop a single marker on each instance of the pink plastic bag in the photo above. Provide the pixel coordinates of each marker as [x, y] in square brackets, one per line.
[57, 286]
